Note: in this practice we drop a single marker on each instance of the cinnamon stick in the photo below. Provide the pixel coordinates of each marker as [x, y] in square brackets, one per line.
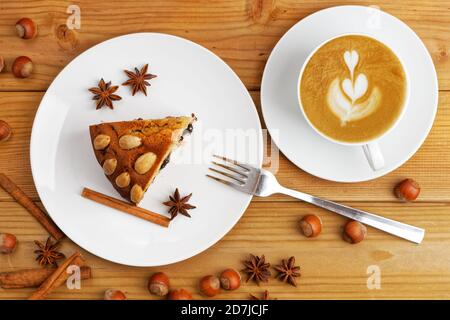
[32, 208]
[29, 278]
[126, 207]
[57, 278]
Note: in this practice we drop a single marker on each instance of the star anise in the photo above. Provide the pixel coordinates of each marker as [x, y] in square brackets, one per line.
[138, 79]
[179, 205]
[287, 271]
[104, 94]
[47, 253]
[265, 296]
[257, 269]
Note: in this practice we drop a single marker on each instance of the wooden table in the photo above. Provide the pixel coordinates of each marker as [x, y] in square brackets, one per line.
[242, 33]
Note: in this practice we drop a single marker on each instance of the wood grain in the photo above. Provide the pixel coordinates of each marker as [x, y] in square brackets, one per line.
[429, 166]
[242, 32]
[330, 267]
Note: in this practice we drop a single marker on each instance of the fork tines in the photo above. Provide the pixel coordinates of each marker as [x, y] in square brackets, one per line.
[236, 171]
[239, 164]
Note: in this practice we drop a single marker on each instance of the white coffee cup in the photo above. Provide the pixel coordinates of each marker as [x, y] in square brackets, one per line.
[371, 147]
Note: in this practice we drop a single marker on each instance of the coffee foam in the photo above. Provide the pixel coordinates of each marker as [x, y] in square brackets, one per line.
[353, 88]
[343, 96]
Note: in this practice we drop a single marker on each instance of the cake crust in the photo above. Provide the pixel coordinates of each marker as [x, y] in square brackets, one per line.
[132, 152]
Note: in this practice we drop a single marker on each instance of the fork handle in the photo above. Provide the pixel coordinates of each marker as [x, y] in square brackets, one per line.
[396, 228]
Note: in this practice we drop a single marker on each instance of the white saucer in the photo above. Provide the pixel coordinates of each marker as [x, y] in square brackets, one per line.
[284, 119]
[190, 79]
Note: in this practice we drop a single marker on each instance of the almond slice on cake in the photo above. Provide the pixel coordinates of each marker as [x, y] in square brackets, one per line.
[131, 153]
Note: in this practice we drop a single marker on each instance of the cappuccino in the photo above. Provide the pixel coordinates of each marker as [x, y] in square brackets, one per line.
[353, 89]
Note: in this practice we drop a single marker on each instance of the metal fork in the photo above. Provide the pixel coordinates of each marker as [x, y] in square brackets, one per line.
[262, 183]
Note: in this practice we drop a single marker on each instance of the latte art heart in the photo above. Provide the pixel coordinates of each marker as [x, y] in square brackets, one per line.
[351, 59]
[348, 111]
[355, 90]
[343, 99]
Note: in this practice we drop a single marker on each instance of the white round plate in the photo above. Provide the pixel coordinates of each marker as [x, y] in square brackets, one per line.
[284, 119]
[190, 79]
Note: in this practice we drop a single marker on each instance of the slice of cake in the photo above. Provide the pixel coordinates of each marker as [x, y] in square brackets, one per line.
[132, 152]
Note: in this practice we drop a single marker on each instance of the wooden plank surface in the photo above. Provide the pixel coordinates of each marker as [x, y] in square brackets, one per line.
[243, 33]
[331, 268]
[430, 166]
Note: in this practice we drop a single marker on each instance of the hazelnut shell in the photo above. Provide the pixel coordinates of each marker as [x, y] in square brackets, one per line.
[354, 232]
[230, 279]
[159, 284]
[407, 190]
[180, 294]
[311, 225]
[2, 63]
[112, 294]
[22, 67]
[8, 243]
[26, 28]
[209, 286]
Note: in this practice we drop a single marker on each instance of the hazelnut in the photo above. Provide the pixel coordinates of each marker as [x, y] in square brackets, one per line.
[8, 242]
[311, 225]
[109, 166]
[5, 131]
[180, 294]
[145, 162]
[230, 279]
[123, 180]
[209, 286]
[158, 284]
[129, 142]
[407, 190]
[22, 67]
[101, 141]
[26, 28]
[354, 232]
[136, 193]
[112, 294]
[2, 63]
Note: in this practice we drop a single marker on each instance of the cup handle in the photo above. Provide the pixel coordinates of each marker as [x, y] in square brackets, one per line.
[374, 156]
